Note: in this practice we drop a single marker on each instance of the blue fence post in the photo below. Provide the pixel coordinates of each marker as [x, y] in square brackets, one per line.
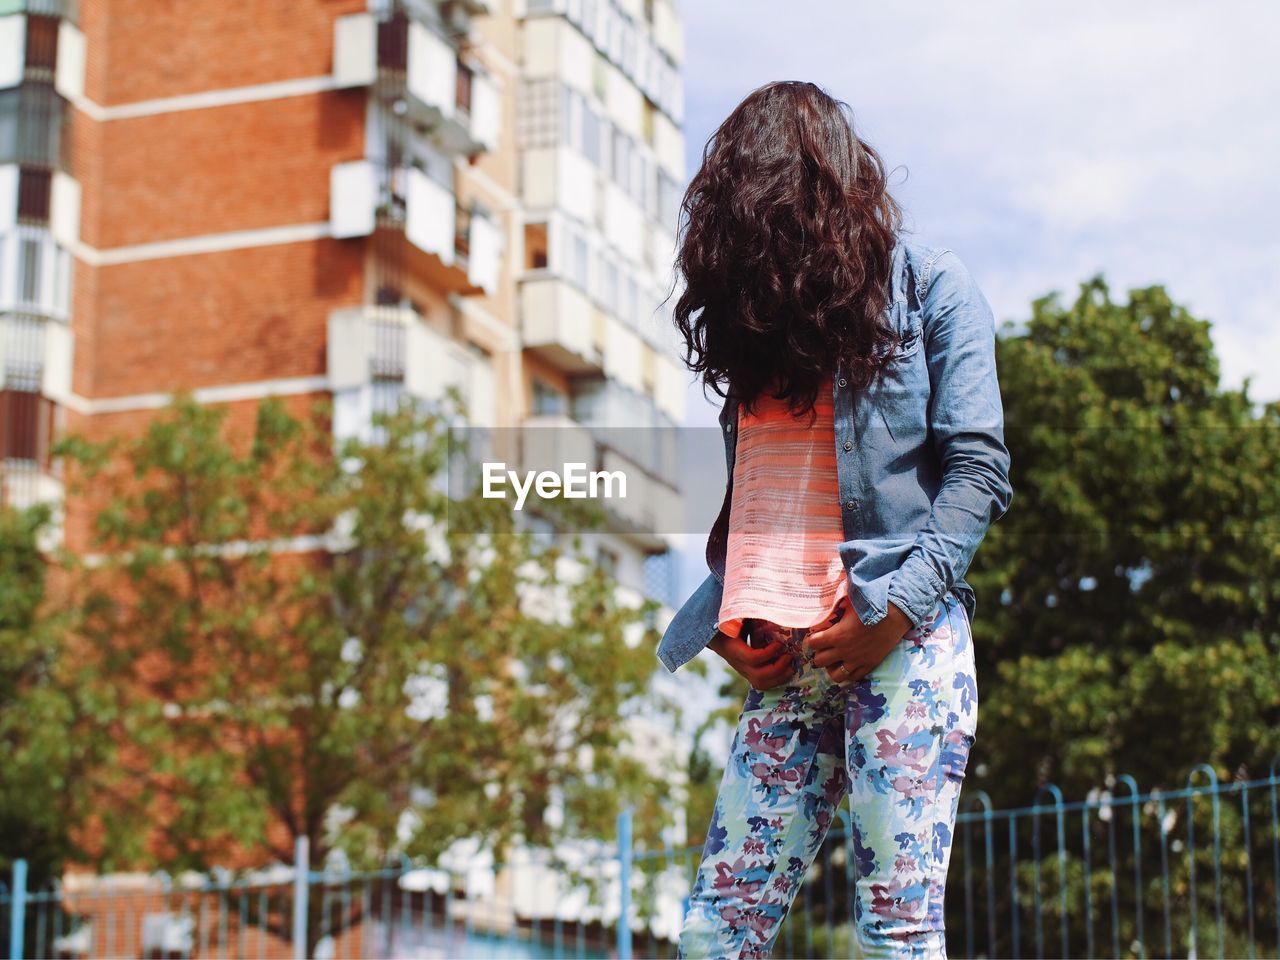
[18, 909]
[624, 881]
[301, 887]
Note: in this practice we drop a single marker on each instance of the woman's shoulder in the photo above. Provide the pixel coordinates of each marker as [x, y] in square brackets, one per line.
[933, 268]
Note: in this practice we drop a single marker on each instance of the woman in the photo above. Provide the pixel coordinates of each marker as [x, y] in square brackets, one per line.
[863, 433]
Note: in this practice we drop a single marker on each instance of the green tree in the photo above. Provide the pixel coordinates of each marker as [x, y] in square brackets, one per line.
[42, 790]
[302, 644]
[1132, 620]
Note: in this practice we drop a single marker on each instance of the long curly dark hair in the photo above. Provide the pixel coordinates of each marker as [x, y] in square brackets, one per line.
[785, 250]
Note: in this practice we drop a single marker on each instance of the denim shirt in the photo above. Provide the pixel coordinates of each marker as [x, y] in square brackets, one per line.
[922, 465]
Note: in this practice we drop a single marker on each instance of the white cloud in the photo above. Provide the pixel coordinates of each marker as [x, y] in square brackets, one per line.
[1046, 142]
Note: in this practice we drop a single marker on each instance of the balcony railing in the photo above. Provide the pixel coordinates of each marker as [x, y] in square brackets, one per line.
[464, 243]
[558, 323]
[454, 103]
[35, 272]
[376, 349]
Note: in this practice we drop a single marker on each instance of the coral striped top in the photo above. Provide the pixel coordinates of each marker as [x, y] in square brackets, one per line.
[782, 564]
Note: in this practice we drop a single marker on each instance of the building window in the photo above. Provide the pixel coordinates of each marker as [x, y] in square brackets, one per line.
[28, 270]
[598, 81]
[30, 125]
[462, 231]
[610, 286]
[660, 574]
[26, 426]
[547, 400]
[627, 50]
[622, 160]
[639, 169]
[34, 190]
[35, 273]
[535, 246]
[607, 561]
[538, 114]
[592, 126]
[389, 350]
[42, 44]
[465, 77]
[570, 120]
[668, 202]
[631, 302]
[541, 528]
[651, 192]
[393, 41]
[587, 397]
[579, 269]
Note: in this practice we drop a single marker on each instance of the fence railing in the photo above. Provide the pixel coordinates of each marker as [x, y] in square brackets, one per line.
[1189, 872]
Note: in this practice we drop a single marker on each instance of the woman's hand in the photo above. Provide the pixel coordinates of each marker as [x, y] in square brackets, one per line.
[847, 650]
[764, 667]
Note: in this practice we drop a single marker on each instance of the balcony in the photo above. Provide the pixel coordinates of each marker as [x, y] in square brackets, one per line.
[25, 483]
[557, 178]
[477, 8]
[630, 423]
[559, 324]
[36, 356]
[455, 249]
[35, 377]
[634, 435]
[35, 273]
[548, 442]
[650, 512]
[38, 48]
[454, 103]
[374, 349]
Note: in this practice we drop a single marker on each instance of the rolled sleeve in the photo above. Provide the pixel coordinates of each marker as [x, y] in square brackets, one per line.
[966, 419]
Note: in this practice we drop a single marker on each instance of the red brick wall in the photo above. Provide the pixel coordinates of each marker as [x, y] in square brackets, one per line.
[220, 318]
[237, 167]
[163, 48]
[202, 319]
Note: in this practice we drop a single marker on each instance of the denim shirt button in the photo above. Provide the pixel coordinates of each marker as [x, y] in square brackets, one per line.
[848, 445]
[844, 382]
[728, 428]
[850, 504]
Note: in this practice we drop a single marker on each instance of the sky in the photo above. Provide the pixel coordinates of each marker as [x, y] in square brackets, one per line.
[1044, 143]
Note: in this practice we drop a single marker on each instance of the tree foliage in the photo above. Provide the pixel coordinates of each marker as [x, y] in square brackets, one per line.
[1131, 621]
[294, 643]
[45, 772]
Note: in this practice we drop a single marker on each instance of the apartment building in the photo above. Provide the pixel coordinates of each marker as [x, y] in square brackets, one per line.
[346, 198]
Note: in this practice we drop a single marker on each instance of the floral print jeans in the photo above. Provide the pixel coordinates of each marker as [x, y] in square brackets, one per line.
[896, 742]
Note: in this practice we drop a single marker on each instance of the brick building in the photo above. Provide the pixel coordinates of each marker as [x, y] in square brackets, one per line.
[340, 198]
[346, 198]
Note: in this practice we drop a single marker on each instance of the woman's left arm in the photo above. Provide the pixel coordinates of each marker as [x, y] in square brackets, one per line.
[966, 418]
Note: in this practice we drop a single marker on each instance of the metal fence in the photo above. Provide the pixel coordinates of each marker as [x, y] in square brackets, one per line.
[1189, 872]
